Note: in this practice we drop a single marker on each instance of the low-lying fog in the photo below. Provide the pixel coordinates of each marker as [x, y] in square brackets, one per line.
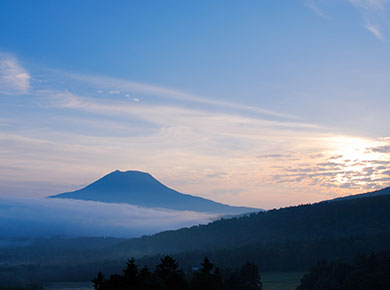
[47, 217]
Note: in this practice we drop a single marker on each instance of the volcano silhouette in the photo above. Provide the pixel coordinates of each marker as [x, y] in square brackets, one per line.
[142, 189]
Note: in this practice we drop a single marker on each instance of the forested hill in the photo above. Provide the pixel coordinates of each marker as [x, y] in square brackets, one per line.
[325, 220]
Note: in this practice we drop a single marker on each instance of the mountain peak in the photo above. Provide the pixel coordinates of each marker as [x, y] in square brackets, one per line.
[129, 174]
[126, 182]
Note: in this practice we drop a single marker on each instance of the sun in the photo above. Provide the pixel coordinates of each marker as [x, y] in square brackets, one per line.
[353, 149]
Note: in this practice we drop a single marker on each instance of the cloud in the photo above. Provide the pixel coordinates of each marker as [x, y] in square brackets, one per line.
[374, 12]
[375, 30]
[274, 156]
[335, 157]
[312, 5]
[371, 4]
[161, 114]
[122, 85]
[14, 79]
[135, 100]
[342, 174]
[46, 217]
[381, 149]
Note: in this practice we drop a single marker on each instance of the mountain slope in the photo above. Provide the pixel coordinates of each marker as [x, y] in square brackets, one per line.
[314, 222]
[140, 188]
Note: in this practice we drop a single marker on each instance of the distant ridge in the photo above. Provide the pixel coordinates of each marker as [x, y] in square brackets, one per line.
[142, 189]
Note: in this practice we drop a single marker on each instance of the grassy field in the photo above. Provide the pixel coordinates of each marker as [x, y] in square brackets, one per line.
[69, 286]
[281, 280]
[271, 281]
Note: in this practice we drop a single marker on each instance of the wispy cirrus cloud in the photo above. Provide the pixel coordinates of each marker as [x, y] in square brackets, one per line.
[14, 79]
[120, 85]
[313, 6]
[160, 114]
[375, 30]
[375, 13]
[379, 5]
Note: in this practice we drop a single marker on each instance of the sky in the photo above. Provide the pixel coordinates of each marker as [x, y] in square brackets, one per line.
[256, 103]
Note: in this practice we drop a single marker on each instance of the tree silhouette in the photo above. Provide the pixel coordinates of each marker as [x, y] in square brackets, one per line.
[246, 278]
[130, 274]
[207, 266]
[146, 281]
[98, 281]
[169, 275]
[205, 278]
[250, 277]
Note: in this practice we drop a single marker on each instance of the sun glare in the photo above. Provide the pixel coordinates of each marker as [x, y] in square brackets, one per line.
[358, 161]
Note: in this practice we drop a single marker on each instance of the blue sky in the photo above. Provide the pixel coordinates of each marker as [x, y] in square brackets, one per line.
[244, 102]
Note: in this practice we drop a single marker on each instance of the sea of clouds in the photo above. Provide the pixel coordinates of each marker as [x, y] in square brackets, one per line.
[49, 217]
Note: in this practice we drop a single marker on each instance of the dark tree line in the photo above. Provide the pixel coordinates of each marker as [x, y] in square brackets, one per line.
[168, 276]
[367, 272]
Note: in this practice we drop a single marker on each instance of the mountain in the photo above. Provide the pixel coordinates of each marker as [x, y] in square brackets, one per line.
[142, 189]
